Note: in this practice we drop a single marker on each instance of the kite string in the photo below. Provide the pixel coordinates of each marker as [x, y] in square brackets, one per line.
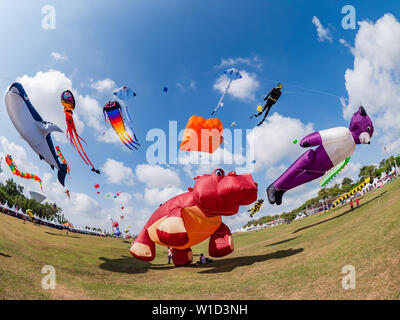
[223, 95]
[304, 88]
[8, 79]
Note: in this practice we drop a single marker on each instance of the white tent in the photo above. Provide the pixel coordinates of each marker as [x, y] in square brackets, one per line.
[6, 206]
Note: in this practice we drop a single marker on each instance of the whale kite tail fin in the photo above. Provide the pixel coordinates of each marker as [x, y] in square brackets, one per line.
[62, 173]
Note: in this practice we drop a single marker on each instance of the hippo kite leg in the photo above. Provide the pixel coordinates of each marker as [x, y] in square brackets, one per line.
[182, 257]
[143, 248]
[306, 168]
[221, 242]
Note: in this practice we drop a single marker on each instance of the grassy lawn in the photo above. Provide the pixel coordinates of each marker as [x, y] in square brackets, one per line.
[301, 260]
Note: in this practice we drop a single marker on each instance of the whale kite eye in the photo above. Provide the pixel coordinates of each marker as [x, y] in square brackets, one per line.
[219, 172]
[369, 129]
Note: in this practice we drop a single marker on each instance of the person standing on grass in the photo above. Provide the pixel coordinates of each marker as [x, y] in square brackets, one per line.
[351, 204]
[358, 203]
[169, 255]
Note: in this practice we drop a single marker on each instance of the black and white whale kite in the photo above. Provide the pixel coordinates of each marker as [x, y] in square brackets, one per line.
[33, 128]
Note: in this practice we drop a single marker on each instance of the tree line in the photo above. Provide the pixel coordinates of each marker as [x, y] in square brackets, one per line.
[14, 195]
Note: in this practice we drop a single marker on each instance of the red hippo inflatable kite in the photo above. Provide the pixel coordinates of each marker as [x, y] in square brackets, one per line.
[194, 216]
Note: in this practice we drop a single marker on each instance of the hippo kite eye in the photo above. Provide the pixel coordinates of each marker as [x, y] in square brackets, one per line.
[219, 172]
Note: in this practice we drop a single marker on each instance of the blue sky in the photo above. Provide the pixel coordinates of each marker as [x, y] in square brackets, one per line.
[184, 45]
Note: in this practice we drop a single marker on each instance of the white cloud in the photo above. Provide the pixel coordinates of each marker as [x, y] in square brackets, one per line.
[17, 152]
[44, 90]
[157, 196]
[291, 200]
[138, 220]
[123, 199]
[351, 171]
[238, 220]
[82, 203]
[108, 135]
[272, 172]
[81, 209]
[103, 85]
[244, 88]
[219, 156]
[155, 176]
[59, 56]
[199, 163]
[323, 33]
[232, 62]
[374, 80]
[21, 160]
[297, 196]
[272, 142]
[138, 196]
[117, 173]
[346, 44]
[184, 87]
[92, 111]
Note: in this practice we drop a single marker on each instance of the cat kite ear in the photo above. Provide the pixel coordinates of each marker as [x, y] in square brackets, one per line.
[362, 111]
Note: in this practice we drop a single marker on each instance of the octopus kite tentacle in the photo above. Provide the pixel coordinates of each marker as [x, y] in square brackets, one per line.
[68, 101]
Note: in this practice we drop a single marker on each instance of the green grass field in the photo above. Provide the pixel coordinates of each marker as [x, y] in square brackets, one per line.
[301, 260]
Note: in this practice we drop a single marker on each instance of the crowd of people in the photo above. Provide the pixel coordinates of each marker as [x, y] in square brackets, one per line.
[24, 217]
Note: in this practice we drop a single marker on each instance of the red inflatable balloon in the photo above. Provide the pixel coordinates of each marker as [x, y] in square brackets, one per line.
[194, 216]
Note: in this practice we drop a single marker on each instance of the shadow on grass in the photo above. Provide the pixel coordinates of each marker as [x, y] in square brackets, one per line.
[340, 215]
[125, 264]
[283, 241]
[229, 264]
[62, 235]
[4, 255]
[130, 265]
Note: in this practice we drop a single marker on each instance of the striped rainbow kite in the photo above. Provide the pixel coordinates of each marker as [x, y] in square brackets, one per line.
[113, 114]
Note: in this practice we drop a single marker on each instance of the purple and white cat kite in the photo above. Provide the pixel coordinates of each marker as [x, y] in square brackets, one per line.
[334, 145]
